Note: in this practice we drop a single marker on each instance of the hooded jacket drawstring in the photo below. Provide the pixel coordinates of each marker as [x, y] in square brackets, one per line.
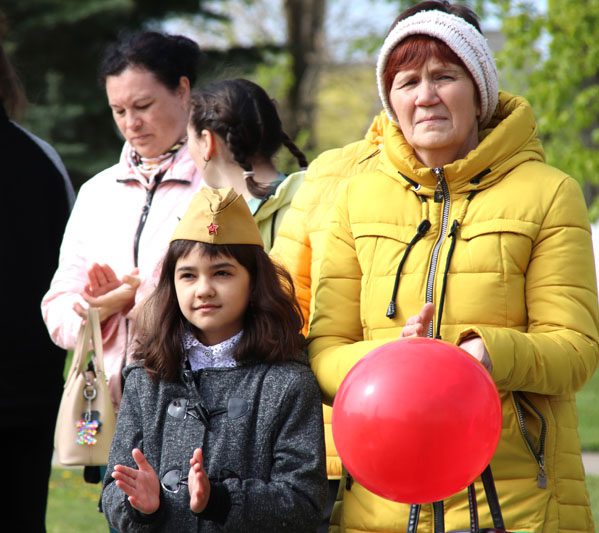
[423, 227]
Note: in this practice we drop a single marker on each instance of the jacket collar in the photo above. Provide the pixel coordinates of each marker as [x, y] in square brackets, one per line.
[509, 140]
[182, 169]
[280, 197]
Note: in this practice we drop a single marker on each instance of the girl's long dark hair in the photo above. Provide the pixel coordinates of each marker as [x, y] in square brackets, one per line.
[272, 324]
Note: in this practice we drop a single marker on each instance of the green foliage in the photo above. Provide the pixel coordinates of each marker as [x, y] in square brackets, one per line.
[348, 100]
[553, 59]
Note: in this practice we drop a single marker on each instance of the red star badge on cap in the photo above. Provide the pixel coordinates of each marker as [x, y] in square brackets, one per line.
[213, 228]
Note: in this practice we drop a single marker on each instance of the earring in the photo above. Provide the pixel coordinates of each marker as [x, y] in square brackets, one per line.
[206, 161]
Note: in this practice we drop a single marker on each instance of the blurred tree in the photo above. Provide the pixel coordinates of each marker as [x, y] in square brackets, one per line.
[552, 57]
[57, 45]
[291, 77]
[305, 42]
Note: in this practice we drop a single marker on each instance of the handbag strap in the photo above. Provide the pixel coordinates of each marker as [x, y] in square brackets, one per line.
[90, 331]
[492, 499]
[81, 349]
[473, 507]
[438, 511]
[93, 318]
[439, 516]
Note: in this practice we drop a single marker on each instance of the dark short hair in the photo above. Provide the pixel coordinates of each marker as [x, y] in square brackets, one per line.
[168, 57]
[246, 118]
[272, 324]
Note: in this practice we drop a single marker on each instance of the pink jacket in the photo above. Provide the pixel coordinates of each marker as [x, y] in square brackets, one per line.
[102, 229]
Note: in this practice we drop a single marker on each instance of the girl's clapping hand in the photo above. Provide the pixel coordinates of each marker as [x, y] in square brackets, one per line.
[199, 484]
[141, 484]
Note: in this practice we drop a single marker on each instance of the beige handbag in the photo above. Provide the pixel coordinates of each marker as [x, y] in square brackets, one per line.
[86, 420]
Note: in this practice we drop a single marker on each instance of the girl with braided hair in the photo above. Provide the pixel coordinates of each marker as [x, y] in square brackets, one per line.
[234, 132]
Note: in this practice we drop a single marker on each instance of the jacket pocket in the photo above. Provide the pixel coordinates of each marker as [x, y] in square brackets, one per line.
[531, 419]
[382, 229]
[500, 225]
[380, 248]
[492, 258]
[498, 246]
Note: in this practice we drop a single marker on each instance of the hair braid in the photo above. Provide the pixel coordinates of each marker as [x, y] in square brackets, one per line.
[242, 114]
[295, 151]
[234, 140]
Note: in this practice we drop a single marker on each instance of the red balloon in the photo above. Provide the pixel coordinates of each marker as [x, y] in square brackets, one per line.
[416, 420]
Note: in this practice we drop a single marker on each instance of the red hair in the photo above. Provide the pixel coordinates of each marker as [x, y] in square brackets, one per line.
[412, 53]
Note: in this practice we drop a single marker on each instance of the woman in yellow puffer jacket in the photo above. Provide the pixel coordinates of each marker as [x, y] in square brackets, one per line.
[462, 232]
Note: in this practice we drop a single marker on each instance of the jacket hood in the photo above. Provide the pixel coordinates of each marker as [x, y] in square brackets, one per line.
[134, 365]
[282, 196]
[509, 140]
[376, 130]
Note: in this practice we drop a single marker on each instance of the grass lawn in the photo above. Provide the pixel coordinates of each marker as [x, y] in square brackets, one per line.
[72, 505]
[587, 400]
[593, 485]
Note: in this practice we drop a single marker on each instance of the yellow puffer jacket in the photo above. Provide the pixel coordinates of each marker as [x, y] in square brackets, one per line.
[300, 239]
[521, 276]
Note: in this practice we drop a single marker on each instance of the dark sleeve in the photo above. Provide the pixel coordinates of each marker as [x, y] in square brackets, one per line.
[36, 209]
[293, 499]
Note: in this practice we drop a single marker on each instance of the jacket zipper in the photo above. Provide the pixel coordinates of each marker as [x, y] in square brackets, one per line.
[144, 216]
[441, 195]
[537, 452]
[142, 222]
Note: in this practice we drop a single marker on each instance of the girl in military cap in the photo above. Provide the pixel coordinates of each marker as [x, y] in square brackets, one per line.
[220, 426]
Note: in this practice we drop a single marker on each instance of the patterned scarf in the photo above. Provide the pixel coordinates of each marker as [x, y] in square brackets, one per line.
[148, 168]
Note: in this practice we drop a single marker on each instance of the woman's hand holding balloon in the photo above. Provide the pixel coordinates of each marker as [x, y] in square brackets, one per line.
[418, 325]
[476, 348]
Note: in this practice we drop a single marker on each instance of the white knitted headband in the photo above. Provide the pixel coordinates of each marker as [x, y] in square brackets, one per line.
[463, 38]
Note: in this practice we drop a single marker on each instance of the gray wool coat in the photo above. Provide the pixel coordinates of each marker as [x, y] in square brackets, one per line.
[261, 431]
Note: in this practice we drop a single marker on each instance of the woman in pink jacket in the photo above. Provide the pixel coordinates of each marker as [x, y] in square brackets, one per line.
[124, 216]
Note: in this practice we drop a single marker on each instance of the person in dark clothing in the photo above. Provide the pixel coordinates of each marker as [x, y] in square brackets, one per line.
[37, 197]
